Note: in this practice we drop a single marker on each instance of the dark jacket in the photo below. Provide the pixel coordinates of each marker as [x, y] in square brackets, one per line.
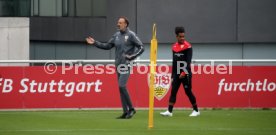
[182, 57]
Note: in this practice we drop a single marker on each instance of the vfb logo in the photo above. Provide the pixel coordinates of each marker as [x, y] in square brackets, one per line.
[161, 85]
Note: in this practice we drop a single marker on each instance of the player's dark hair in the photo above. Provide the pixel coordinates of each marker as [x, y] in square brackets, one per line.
[179, 29]
[125, 18]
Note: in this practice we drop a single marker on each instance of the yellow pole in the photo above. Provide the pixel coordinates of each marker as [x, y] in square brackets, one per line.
[153, 55]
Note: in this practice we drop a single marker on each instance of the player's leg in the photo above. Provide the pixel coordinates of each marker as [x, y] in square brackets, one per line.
[175, 86]
[187, 84]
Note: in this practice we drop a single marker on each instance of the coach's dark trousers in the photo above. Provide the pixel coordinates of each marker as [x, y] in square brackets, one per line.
[125, 98]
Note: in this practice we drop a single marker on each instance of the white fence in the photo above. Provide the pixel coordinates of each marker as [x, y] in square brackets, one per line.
[138, 61]
[160, 61]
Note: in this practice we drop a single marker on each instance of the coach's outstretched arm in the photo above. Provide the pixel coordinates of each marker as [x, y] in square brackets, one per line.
[105, 46]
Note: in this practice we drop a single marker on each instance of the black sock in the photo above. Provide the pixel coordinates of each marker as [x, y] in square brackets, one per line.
[170, 108]
[195, 107]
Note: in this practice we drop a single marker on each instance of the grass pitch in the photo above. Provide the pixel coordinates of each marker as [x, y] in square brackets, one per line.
[91, 122]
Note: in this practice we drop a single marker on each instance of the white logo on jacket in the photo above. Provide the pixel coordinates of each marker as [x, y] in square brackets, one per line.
[178, 54]
[126, 38]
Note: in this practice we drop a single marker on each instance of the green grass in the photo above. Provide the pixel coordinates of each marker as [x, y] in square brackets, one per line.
[210, 122]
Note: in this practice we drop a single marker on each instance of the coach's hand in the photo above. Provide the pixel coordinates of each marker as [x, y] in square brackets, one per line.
[128, 57]
[90, 40]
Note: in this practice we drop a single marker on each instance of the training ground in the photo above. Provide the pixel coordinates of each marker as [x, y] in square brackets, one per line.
[104, 122]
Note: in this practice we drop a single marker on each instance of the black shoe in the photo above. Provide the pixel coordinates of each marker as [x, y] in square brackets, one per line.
[130, 113]
[123, 116]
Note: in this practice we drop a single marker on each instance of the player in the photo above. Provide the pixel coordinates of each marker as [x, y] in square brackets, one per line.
[182, 55]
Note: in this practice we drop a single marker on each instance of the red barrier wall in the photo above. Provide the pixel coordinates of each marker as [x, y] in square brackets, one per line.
[32, 87]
